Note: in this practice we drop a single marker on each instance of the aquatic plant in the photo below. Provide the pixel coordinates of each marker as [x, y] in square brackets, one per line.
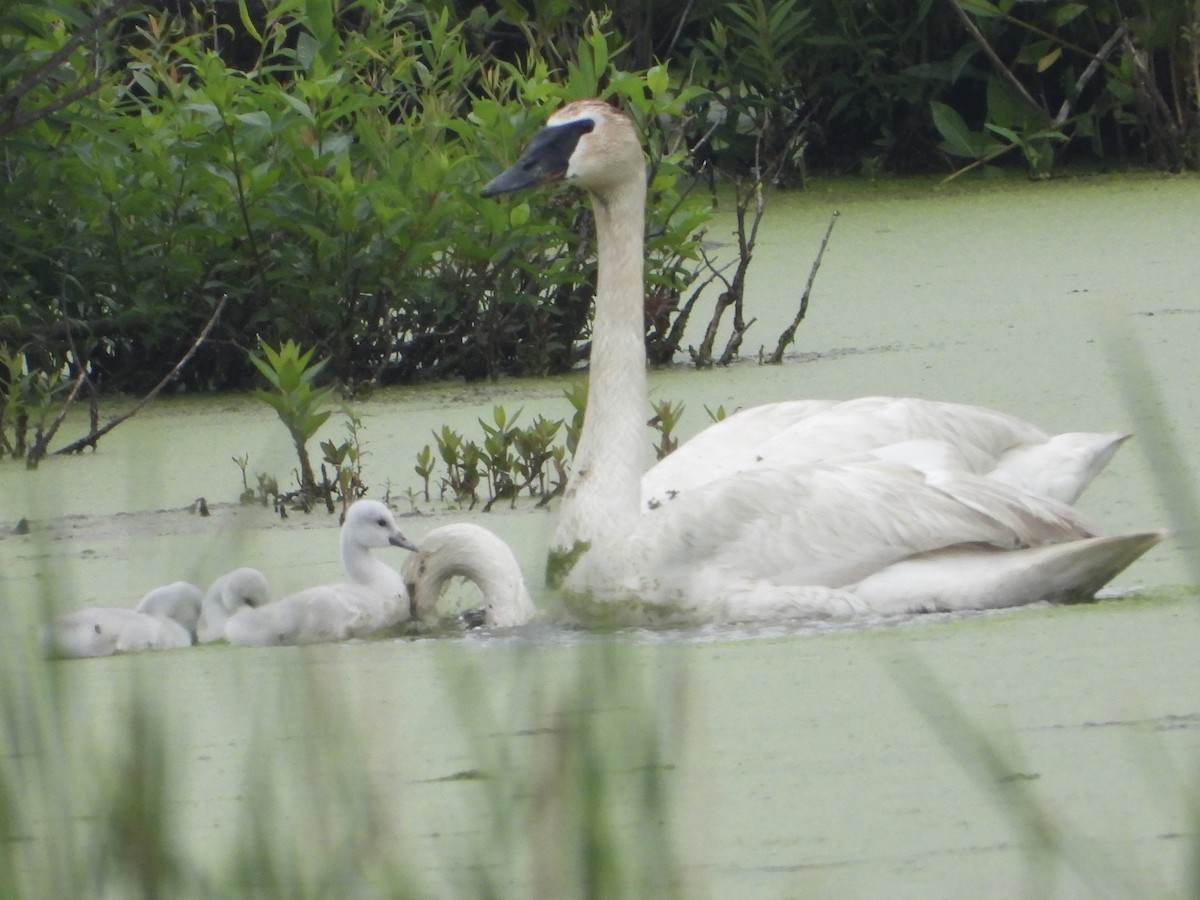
[511, 458]
[346, 460]
[665, 419]
[424, 468]
[301, 406]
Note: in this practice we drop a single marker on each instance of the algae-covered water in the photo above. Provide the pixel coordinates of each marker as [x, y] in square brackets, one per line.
[795, 761]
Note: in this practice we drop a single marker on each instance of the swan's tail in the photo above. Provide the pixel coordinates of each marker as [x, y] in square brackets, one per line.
[986, 578]
[1075, 571]
[1062, 466]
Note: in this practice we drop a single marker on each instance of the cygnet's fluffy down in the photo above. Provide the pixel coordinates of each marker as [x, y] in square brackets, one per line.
[164, 619]
[240, 589]
[373, 598]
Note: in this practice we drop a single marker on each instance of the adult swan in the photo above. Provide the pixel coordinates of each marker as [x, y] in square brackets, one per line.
[871, 533]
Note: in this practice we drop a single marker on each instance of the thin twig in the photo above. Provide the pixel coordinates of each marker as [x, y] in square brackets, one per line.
[43, 439]
[97, 433]
[789, 333]
[38, 451]
[1064, 111]
[1003, 70]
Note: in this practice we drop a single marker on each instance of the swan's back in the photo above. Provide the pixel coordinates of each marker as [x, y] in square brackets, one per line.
[332, 612]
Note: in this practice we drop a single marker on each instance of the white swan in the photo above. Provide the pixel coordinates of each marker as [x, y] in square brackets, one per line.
[763, 541]
[373, 598]
[164, 619]
[475, 553]
[231, 592]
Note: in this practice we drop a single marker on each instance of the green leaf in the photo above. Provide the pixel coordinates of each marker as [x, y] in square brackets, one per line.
[958, 137]
[1007, 133]
[518, 215]
[1049, 59]
[658, 80]
[1067, 13]
[981, 8]
[247, 22]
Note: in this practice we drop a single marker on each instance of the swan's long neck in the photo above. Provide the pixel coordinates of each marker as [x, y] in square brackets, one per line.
[362, 568]
[604, 496]
[472, 552]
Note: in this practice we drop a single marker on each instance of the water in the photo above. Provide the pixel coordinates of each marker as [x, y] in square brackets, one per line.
[797, 760]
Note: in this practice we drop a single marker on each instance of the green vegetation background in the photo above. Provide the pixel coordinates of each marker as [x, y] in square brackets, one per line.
[309, 170]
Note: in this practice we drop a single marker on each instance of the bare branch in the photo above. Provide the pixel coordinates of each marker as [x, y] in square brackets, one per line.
[1003, 70]
[1064, 111]
[97, 433]
[789, 333]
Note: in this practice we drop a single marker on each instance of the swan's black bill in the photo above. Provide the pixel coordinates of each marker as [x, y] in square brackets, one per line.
[545, 159]
[399, 540]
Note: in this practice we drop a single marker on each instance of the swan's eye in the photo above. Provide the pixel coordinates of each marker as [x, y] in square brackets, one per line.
[382, 523]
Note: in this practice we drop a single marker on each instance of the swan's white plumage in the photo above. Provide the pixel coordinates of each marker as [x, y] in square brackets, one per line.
[164, 619]
[233, 591]
[374, 598]
[744, 521]
[473, 552]
[987, 442]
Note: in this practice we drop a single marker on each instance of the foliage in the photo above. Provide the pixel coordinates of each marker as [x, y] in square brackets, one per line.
[855, 86]
[666, 417]
[27, 399]
[346, 461]
[300, 405]
[1089, 75]
[313, 170]
[328, 190]
[510, 460]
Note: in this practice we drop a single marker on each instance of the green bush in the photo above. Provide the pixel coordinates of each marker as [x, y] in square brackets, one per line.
[316, 168]
[330, 192]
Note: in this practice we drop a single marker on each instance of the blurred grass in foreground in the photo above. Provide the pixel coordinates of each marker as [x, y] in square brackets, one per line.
[1050, 845]
[88, 804]
[94, 776]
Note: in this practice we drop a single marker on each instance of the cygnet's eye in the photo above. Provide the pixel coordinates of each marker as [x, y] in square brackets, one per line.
[382, 523]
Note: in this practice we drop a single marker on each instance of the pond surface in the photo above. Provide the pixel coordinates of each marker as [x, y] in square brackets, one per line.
[828, 761]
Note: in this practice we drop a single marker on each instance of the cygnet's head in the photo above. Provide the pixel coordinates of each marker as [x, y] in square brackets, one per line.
[231, 592]
[588, 143]
[370, 523]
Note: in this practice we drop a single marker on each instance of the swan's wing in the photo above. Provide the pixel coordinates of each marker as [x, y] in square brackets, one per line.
[360, 610]
[977, 577]
[1060, 467]
[828, 526]
[307, 617]
[153, 633]
[785, 434]
[727, 446]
